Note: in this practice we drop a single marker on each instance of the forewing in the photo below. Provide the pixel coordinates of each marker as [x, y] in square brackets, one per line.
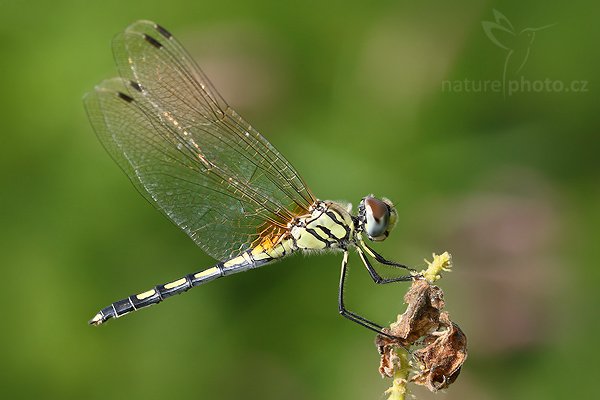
[179, 93]
[188, 152]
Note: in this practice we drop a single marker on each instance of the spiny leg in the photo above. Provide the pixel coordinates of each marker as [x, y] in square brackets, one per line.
[380, 259]
[375, 275]
[349, 314]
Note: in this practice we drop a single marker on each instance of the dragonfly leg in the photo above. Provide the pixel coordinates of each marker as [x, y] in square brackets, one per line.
[349, 314]
[375, 275]
[379, 258]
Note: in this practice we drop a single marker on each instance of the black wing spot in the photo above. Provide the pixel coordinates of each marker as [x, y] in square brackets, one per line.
[136, 86]
[125, 97]
[152, 41]
[163, 31]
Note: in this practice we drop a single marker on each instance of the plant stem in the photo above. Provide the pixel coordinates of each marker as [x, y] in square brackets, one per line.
[398, 390]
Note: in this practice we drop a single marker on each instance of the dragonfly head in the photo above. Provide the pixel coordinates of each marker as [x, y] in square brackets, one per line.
[376, 217]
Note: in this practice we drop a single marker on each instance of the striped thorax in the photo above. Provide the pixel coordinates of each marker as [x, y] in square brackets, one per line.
[329, 225]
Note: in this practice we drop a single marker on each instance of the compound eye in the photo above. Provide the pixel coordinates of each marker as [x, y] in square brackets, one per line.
[377, 215]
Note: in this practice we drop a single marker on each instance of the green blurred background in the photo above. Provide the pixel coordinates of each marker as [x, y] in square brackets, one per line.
[353, 95]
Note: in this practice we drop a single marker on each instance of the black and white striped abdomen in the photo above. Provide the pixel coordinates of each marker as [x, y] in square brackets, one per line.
[249, 259]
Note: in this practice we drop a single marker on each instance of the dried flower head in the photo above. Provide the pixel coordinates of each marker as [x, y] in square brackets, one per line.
[424, 333]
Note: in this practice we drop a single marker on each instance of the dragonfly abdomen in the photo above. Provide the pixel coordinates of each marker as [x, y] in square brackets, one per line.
[250, 259]
[157, 294]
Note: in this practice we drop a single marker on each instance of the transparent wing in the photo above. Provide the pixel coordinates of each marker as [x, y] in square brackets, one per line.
[187, 151]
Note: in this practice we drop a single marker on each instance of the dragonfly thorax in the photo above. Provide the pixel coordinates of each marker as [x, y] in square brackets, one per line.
[329, 225]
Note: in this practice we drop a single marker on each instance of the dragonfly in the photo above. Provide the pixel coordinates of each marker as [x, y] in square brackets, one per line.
[215, 176]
